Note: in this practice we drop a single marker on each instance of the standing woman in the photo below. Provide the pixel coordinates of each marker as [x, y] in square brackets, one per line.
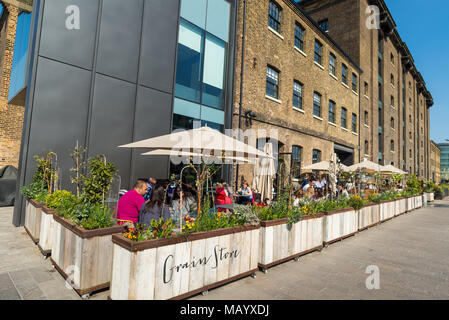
[155, 208]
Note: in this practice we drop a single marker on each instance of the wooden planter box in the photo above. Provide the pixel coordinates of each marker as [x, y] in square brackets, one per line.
[176, 268]
[401, 206]
[410, 204]
[83, 255]
[424, 197]
[33, 217]
[46, 230]
[339, 224]
[418, 202]
[430, 196]
[279, 243]
[368, 216]
[387, 210]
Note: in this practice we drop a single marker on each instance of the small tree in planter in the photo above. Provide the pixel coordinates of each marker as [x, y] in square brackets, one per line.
[98, 181]
[80, 161]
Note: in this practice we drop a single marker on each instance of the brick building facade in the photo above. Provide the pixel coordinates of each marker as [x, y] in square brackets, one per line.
[11, 114]
[293, 85]
[395, 100]
[435, 163]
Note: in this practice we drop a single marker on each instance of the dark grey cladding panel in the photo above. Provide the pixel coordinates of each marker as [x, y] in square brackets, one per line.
[119, 42]
[112, 122]
[153, 118]
[71, 46]
[59, 113]
[158, 52]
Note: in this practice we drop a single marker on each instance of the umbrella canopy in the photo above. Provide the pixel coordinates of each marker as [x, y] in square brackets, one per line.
[202, 140]
[184, 155]
[322, 166]
[368, 165]
[391, 169]
[263, 174]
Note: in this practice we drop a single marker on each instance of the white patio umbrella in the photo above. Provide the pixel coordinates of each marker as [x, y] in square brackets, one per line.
[368, 165]
[392, 169]
[202, 140]
[263, 174]
[184, 156]
[319, 166]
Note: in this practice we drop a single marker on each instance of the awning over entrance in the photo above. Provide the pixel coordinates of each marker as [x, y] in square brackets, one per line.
[345, 154]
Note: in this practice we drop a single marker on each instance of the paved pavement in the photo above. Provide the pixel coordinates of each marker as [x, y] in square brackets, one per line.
[411, 252]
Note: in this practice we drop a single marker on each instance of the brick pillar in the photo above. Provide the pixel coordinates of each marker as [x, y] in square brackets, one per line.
[11, 116]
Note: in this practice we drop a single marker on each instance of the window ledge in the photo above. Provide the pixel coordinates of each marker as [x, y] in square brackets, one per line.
[300, 51]
[318, 65]
[273, 99]
[354, 92]
[392, 85]
[318, 118]
[345, 85]
[299, 110]
[367, 155]
[333, 76]
[332, 124]
[392, 107]
[355, 133]
[366, 125]
[344, 129]
[276, 33]
[366, 96]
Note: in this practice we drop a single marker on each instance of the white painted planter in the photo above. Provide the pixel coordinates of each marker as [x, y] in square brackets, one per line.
[368, 216]
[279, 243]
[431, 197]
[418, 202]
[33, 217]
[424, 198]
[83, 256]
[339, 224]
[179, 267]
[410, 204]
[401, 206]
[47, 231]
[387, 210]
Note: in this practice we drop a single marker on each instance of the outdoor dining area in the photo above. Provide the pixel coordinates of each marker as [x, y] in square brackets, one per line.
[177, 237]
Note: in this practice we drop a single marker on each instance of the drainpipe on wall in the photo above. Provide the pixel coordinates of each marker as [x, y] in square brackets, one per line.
[241, 88]
[360, 115]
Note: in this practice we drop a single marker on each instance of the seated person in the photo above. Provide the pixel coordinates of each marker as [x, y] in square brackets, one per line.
[131, 202]
[318, 195]
[183, 203]
[155, 208]
[151, 182]
[299, 194]
[342, 192]
[222, 193]
[246, 194]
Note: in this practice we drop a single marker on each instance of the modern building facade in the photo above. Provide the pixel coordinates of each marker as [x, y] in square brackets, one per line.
[444, 148]
[435, 163]
[105, 73]
[394, 101]
[297, 81]
[15, 18]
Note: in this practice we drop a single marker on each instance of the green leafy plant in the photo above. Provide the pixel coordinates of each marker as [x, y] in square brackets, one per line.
[162, 228]
[356, 202]
[413, 184]
[100, 216]
[34, 190]
[55, 199]
[98, 181]
[246, 215]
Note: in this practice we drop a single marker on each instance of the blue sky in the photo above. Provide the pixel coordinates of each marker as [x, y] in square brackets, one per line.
[423, 26]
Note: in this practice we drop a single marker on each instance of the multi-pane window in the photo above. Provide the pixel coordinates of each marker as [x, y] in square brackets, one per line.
[392, 145]
[343, 117]
[366, 118]
[344, 74]
[354, 82]
[299, 36]
[332, 63]
[392, 123]
[392, 79]
[297, 95]
[354, 122]
[410, 118]
[410, 135]
[392, 101]
[331, 111]
[365, 89]
[318, 52]
[366, 147]
[391, 58]
[274, 16]
[324, 25]
[296, 161]
[272, 83]
[316, 156]
[317, 104]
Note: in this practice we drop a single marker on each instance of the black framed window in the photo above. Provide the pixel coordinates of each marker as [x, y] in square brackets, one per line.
[331, 111]
[354, 122]
[392, 101]
[299, 36]
[392, 79]
[318, 52]
[316, 156]
[296, 161]
[392, 145]
[332, 64]
[344, 73]
[297, 95]
[366, 118]
[317, 104]
[343, 117]
[274, 16]
[272, 83]
[324, 25]
[366, 89]
[392, 123]
[354, 82]
[366, 147]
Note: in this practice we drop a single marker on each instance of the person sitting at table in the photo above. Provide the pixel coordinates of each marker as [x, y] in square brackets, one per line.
[155, 208]
[151, 182]
[222, 195]
[299, 194]
[318, 195]
[246, 195]
[130, 203]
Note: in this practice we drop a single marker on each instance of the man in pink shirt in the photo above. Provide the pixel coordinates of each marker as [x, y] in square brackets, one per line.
[130, 203]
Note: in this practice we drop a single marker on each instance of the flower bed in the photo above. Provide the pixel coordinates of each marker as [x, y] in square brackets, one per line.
[178, 267]
[33, 217]
[280, 241]
[339, 224]
[83, 256]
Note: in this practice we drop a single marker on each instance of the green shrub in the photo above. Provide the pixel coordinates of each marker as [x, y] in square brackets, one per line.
[54, 200]
[34, 191]
[413, 184]
[100, 216]
[99, 179]
[356, 202]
